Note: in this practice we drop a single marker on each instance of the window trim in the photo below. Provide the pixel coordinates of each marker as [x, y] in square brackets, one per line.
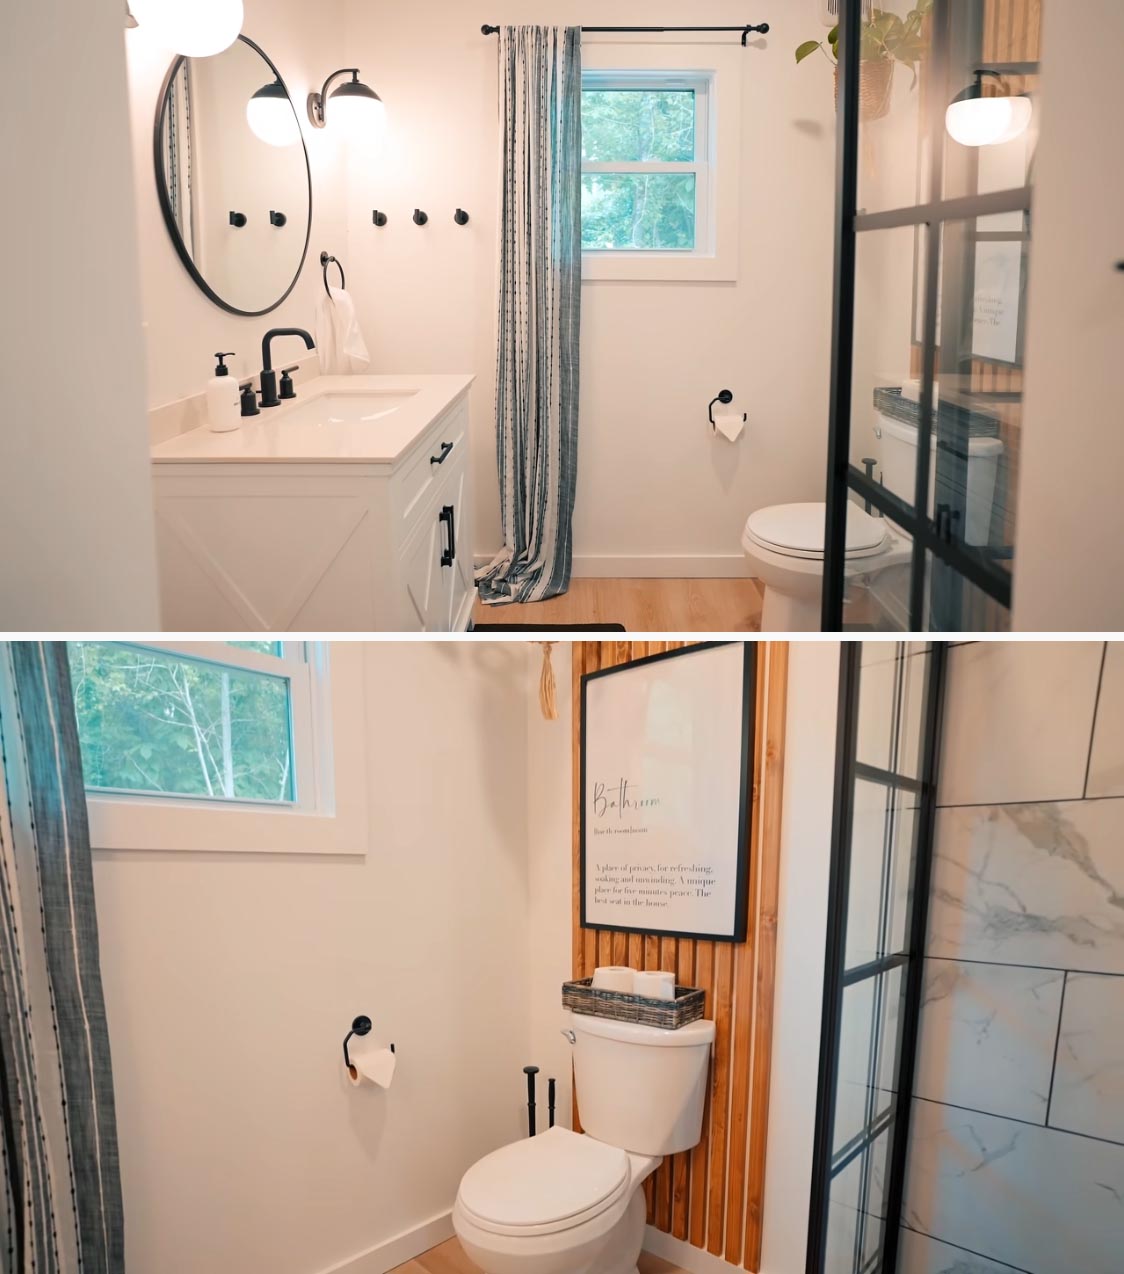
[701, 84]
[329, 757]
[722, 66]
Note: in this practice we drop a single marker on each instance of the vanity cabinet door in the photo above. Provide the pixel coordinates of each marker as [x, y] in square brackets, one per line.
[459, 583]
[424, 576]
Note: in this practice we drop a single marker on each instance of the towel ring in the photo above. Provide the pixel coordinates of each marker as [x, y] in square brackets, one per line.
[326, 261]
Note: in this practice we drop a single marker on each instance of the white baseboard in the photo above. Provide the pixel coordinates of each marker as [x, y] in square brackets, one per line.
[641, 566]
[687, 1257]
[400, 1249]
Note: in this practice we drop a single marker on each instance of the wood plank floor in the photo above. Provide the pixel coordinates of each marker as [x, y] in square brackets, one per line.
[450, 1259]
[643, 606]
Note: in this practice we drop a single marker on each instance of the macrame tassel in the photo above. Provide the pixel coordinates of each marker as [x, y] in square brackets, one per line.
[547, 700]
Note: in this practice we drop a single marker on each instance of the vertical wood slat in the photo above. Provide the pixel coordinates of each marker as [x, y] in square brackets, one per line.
[768, 909]
[743, 1005]
[711, 1195]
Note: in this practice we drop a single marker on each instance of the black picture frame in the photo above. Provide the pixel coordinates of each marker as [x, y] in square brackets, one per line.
[747, 744]
[165, 199]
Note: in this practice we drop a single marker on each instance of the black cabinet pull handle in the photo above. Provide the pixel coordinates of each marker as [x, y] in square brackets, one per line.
[446, 448]
[449, 553]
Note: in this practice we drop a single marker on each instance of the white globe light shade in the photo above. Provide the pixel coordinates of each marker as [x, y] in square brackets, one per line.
[195, 28]
[360, 117]
[987, 121]
[271, 116]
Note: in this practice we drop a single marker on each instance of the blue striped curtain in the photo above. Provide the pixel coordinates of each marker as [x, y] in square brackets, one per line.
[539, 313]
[60, 1207]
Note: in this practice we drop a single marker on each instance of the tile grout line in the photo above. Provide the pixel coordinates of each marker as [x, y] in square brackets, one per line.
[1057, 1045]
[1016, 1269]
[1025, 1123]
[1047, 800]
[1093, 727]
[1017, 964]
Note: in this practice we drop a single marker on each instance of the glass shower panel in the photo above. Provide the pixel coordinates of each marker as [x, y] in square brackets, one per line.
[897, 48]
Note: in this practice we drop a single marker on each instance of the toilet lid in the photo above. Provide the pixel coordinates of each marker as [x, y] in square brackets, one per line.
[796, 530]
[553, 1181]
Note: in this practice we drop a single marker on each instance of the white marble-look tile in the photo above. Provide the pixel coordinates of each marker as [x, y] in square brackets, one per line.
[1041, 1200]
[1018, 718]
[1030, 884]
[1106, 761]
[919, 1254]
[1089, 1080]
[987, 1037]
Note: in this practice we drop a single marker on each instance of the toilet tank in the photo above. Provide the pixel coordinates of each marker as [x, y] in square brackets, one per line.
[899, 473]
[641, 1088]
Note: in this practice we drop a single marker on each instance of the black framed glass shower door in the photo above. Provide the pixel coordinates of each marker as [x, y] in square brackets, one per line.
[889, 712]
[932, 245]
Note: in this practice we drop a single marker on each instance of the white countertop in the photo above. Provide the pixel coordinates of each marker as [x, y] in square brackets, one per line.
[313, 428]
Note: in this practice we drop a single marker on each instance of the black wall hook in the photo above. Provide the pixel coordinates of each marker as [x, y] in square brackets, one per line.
[238, 220]
[379, 218]
[460, 217]
[277, 219]
[420, 218]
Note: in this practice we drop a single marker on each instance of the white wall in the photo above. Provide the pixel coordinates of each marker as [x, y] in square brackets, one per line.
[1071, 520]
[653, 483]
[805, 857]
[76, 516]
[230, 981]
[183, 328]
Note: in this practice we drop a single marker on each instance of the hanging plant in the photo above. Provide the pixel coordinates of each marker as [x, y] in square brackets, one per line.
[887, 38]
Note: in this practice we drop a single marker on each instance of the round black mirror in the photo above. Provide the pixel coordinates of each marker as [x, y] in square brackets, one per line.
[233, 177]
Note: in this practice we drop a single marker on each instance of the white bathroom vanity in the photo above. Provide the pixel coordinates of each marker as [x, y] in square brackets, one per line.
[344, 509]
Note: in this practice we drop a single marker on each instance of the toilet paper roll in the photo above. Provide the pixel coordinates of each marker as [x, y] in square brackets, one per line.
[614, 977]
[371, 1066]
[729, 424]
[654, 986]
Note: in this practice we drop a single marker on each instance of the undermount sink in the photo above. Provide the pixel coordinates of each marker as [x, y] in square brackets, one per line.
[348, 409]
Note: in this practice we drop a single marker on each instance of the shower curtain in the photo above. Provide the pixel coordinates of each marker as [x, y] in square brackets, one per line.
[60, 1206]
[539, 312]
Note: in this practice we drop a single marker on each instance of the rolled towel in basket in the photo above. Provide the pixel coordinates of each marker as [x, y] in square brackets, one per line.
[614, 977]
[654, 986]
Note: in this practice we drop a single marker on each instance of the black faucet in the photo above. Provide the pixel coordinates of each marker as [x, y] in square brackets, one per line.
[268, 375]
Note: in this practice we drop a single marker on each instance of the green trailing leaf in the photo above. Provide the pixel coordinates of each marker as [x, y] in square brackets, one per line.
[885, 37]
[807, 49]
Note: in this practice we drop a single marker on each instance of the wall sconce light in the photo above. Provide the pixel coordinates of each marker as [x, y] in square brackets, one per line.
[353, 100]
[975, 120]
[271, 116]
[193, 28]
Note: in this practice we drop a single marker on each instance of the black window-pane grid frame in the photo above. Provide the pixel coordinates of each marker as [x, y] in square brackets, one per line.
[893, 1122]
[843, 478]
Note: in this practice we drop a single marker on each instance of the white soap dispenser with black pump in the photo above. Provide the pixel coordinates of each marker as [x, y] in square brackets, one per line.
[224, 408]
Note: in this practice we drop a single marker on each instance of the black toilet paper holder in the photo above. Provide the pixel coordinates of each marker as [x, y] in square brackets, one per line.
[725, 397]
[360, 1026]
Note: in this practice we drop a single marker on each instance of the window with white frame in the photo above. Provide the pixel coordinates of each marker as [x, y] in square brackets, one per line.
[236, 746]
[646, 154]
[661, 155]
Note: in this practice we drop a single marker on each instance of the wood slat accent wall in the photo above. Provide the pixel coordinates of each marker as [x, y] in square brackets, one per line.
[712, 1196]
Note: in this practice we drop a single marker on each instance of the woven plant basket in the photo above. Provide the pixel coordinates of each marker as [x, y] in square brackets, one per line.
[687, 1006]
[875, 83]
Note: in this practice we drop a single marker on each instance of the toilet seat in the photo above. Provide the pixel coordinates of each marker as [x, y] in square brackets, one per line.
[797, 531]
[542, 1185]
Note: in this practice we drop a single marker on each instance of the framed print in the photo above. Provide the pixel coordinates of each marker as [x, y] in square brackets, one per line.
[666, 758]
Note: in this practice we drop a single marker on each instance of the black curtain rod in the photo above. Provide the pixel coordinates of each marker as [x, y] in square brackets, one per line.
[762, 28]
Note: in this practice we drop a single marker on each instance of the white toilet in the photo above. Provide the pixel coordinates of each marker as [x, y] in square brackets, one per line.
[564, 1203]
[784, 544]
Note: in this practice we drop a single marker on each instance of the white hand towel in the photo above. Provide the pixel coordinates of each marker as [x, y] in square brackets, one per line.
[339, 339]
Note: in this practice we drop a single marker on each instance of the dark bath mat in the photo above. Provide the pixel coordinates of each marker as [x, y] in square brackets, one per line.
[549, 628]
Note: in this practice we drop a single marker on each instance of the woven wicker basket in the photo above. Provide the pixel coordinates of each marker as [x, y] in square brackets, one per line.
[875, 84]
[670, 1015]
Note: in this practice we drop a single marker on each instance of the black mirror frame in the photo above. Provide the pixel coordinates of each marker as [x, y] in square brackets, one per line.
[166, 202]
